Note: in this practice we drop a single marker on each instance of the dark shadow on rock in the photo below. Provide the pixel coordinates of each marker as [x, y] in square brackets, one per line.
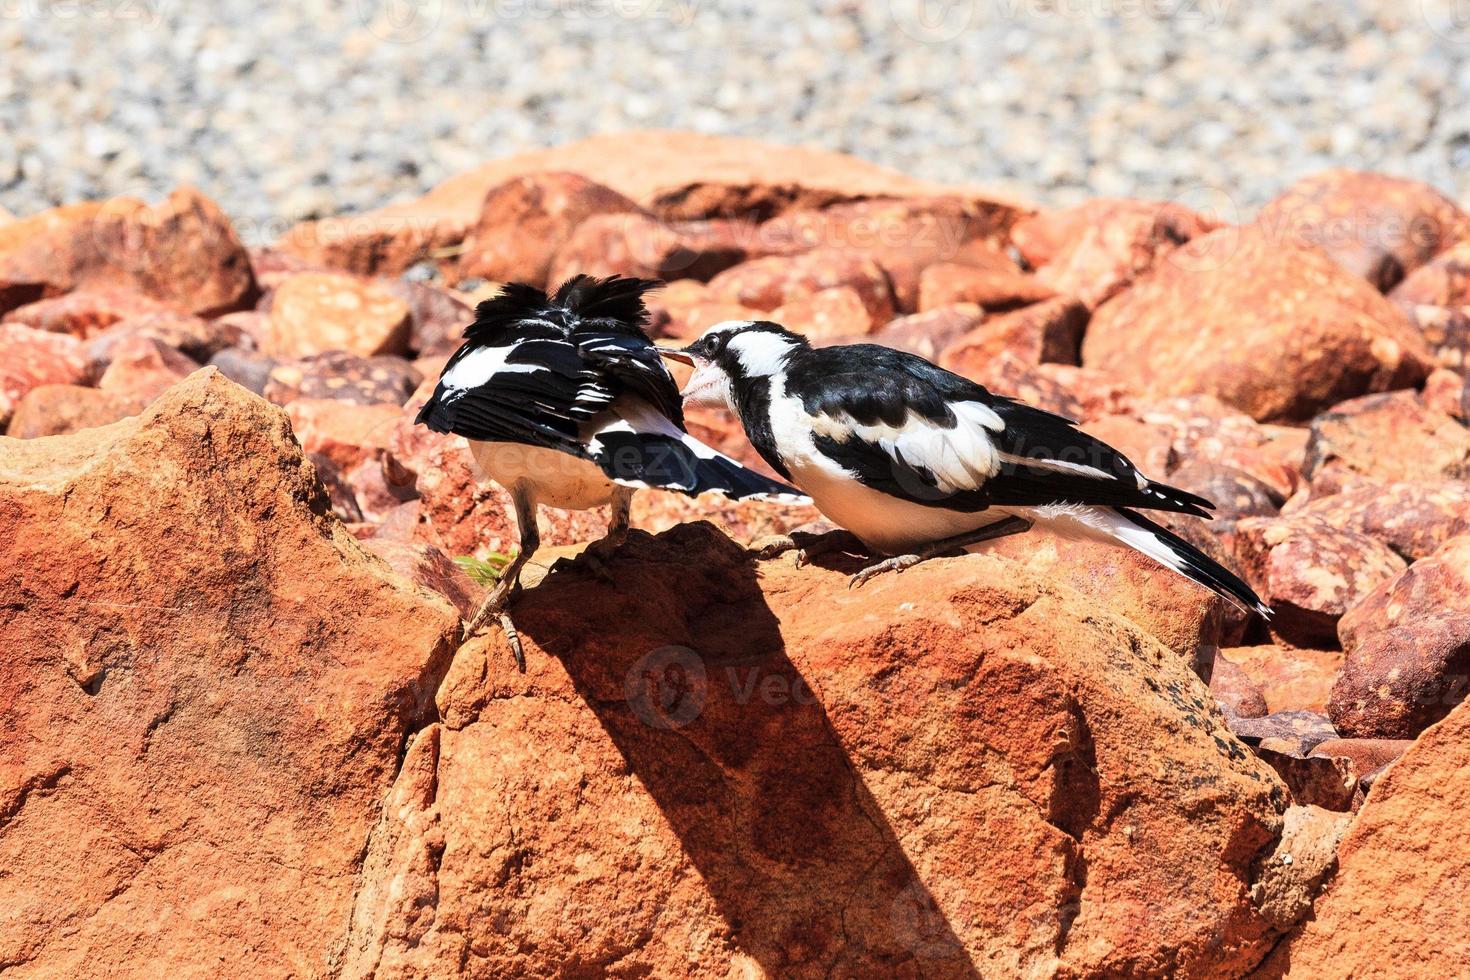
[684, 664]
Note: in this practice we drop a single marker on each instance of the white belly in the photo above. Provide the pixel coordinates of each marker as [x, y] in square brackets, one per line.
[885, 523]
[553, 478]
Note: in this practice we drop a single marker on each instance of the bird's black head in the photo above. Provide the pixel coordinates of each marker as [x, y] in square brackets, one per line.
[732, 354]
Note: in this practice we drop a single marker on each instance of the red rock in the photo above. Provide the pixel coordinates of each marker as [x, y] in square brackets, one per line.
[1375, 226]
[383, 380]
[182, 252]
[1290, 678]
[143, 368]
[1237, 692]
[196, 338]
[1310, 573]
[639, 245]
[1042, 237]
[999, 670]
[344, 432]
[1048, 331]
[765, 284]
[437, 317]
[948, 283]
[1007, 374]
[675, 175]
[1387, 437]
[248, 368]
[830, 315]
[339, 494]
[381, 485]
[1183, 617]
[936, 226]
[273, 266]
[1315, 780]
[1096, 393]
[744, 521]
[252, 325]
[1413, 517]
[30, 358]
[1447, 333]
[904, 236]
[905, 267]
[684, 309]
[928, 334]
[1149, 446]
[429, 568]
[1366, 755]
[1208, 432]
[207, 686]
[55, 410]
[1234, 493]
[527, 219]
[1289, 732]
[318, 312]
[1275, 329]
[1446, 391]
[1118, 242]
[1442, 281]
[86, 312]
[1395, 907]
[1408, 649]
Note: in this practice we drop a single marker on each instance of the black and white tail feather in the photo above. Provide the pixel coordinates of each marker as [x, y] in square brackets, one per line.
[907, 455]
[575, 372]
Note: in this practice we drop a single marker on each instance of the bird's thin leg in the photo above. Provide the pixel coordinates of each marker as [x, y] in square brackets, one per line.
[999, 529]
[510, 578]
[806, 544]
[596, 554]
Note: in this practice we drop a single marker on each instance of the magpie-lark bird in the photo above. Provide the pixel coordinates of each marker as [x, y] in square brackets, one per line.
[565, 402]
[916, 461]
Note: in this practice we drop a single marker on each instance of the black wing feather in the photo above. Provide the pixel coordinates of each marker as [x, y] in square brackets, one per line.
[880, 385]
[588, 346]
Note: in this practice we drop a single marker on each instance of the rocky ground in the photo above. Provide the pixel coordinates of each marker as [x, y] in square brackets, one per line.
[243, 730]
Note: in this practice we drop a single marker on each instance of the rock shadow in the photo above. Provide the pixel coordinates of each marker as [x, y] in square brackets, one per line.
[683, 662]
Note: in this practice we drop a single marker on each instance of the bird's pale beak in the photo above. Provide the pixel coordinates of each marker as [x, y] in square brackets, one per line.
[675, 354]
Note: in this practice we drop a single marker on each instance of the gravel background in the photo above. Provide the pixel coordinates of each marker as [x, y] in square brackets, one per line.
[282, 114]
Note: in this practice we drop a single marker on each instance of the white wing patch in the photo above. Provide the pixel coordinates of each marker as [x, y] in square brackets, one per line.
[959, 458]
[479, 366]
[1058, 466]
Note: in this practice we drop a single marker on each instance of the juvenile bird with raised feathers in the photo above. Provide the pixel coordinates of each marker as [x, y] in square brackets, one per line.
[565, 402]
[918, 462]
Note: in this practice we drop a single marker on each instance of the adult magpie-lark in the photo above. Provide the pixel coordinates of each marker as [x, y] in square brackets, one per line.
[916, 461]
[565, 402]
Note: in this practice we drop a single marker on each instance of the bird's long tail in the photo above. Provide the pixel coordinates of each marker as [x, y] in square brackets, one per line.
[1131, 529]
[1168, 548]
[637, 446]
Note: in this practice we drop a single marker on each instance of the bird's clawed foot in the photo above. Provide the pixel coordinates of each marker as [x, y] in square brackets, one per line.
[806, 544]
[495, 606]
[895, 564]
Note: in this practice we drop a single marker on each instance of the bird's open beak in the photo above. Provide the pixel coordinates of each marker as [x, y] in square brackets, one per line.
[675, 354]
